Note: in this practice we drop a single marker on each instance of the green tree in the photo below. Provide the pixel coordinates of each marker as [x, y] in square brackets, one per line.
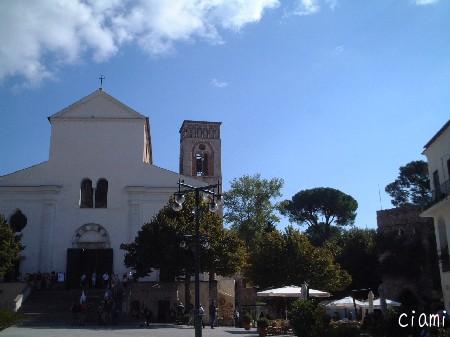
[10, 247]
[412, 186]
[166, 244]
[289, 258]
[356, 252]
[323, 210]
[250, 206]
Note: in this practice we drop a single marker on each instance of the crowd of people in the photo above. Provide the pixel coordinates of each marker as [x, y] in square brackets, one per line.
[38, 281]
[109, 308]
[182, 315]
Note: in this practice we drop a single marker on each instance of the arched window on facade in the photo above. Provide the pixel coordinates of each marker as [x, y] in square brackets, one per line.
[86, 194]
[101, 193]
[443, 246]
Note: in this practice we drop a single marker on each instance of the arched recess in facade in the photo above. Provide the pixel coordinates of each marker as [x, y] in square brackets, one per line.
[91, 236]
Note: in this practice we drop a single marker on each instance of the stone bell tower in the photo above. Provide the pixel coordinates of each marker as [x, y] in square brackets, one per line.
[200, 150]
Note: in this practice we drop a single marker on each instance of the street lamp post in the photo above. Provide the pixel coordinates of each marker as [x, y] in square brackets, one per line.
[177, 206]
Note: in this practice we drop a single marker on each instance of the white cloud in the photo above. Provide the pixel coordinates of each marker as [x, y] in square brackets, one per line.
[332, 4]
[37, 37]
[308, 7]
[426, 2]
[218, 83]
[338, 50]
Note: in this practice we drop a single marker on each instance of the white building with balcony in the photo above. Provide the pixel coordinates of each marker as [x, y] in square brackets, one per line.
[437, 151]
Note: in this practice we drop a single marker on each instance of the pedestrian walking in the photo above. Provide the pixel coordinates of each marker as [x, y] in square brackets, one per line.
[147, 316]
[201, 314]
[236, 318]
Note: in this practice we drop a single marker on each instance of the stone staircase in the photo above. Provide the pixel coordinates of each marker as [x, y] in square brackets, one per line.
[52, 307]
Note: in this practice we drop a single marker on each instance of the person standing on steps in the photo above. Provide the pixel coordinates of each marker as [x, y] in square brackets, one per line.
[94, 279]
[83, 280]
[105, 278]
[83, 307]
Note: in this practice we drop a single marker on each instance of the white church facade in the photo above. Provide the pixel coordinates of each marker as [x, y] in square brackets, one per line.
[99, 185]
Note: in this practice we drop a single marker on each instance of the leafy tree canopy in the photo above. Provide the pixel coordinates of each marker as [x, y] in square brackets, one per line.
[165, 243]
[412, 186]
[289, 258]
[321, 209]
[10, 247]
[250, 208]
[356, 252]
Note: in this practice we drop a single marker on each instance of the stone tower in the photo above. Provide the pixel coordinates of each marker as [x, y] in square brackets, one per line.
[200, 150]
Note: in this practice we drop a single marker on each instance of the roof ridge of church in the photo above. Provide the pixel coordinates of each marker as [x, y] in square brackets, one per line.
[24, 169]
[92, 95]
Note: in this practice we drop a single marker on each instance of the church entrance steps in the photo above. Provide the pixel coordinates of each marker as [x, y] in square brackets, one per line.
[53, 308]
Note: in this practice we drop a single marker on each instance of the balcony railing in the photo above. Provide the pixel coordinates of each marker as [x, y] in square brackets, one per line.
[440, 193]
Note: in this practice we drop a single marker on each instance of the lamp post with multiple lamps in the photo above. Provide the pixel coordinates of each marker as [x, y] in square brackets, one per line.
[213, 193]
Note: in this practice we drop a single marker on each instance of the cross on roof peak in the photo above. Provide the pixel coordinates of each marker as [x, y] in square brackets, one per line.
[101, 78]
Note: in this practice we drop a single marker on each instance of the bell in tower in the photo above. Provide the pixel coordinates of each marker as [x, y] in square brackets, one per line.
[200, 150]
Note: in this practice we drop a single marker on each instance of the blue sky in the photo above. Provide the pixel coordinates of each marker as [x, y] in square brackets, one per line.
[320, 93]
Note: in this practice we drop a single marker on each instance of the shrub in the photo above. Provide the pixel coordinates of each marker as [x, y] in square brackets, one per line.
[262, 322]
[344, 329]
[385, 326]
[308, 319]
[8, 318]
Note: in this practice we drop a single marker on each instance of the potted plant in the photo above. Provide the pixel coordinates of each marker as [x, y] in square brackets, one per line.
[246, 321]
[263, 324]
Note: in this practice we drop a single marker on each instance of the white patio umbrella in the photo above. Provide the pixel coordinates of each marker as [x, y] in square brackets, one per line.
[377, 304]
[291, 291]
[346, 302]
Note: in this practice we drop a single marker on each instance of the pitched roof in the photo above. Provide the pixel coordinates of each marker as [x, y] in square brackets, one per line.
[119, 109]
[100, 105]
[436, 136]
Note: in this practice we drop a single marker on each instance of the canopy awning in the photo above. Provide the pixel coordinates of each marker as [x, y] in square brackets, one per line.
[292, 291]
[377, 304]
[346, 302]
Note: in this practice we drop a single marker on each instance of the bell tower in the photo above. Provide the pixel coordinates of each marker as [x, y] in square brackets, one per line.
[200, 150]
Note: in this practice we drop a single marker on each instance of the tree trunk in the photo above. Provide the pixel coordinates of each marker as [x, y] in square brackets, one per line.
[212, 294]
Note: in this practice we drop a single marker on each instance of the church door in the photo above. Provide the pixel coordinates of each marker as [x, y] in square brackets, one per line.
[87, 261]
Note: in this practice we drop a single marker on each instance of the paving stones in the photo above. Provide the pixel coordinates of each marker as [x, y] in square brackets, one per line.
[125, 331]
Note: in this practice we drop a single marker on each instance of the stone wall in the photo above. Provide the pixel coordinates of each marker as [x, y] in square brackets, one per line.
[407, 224]
[402, 218]
[155, 295]
[12, 294]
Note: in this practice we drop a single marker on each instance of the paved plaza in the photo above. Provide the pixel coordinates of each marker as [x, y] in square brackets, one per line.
[156, 331]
